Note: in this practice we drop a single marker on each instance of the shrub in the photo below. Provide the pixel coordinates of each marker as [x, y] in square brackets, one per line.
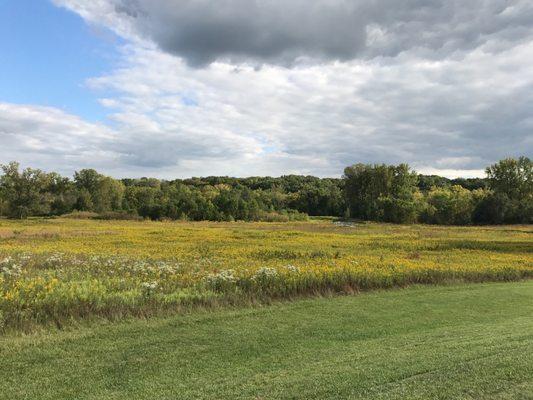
[492, 209]
[284, 216]
[118, 215]
[399, 211]
[80, 215]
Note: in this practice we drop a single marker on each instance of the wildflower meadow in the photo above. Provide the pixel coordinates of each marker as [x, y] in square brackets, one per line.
[55, 271]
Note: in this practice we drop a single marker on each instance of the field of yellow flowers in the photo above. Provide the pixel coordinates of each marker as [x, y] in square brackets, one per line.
[56, 270]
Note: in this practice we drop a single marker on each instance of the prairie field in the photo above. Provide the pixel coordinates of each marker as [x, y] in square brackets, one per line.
[53, 271]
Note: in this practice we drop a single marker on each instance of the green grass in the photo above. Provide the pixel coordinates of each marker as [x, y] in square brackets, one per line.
[449, 342]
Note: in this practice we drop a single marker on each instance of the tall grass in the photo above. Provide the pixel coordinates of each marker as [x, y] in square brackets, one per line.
[56, 271]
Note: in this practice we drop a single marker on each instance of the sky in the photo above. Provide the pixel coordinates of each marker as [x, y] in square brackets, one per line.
[180, 88]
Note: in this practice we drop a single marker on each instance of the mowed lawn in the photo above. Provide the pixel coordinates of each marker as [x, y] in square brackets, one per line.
[471, 341]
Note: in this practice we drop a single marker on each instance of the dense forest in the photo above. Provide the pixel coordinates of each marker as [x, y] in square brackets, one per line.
[386, 193]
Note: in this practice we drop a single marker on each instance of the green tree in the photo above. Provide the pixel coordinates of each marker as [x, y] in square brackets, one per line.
[512, 177]
[449, 206]
[493, 208]
[63, 192]
[372, 191]
[511, 181]
[84, 201]
[108, 195]
[25, 192]
[87, 179]
[98, 192]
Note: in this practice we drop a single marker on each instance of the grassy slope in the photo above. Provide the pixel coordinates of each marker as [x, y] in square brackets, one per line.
[467, 341]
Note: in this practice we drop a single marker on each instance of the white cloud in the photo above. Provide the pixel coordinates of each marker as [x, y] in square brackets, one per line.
[453, 108]
[47, 137]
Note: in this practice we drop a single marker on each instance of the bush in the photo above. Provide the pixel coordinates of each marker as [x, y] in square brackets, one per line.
[272, 217]
[498, 208]
[493, 209]
[399, 211]
[118, 215]
[283, 216]
[80, 215]
[294, 215]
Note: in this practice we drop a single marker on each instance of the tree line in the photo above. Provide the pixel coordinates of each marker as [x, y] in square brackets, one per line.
[388, 193]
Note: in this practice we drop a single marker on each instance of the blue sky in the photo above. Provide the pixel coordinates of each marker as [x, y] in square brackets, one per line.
[47, 53]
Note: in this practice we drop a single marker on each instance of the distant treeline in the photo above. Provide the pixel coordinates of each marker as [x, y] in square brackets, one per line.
[366, 192]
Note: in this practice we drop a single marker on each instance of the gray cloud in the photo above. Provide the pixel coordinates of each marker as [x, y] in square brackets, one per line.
[284, 32]
[446, 86]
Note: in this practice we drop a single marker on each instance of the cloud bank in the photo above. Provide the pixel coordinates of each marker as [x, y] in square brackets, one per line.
[243, 87]
[283, 32]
